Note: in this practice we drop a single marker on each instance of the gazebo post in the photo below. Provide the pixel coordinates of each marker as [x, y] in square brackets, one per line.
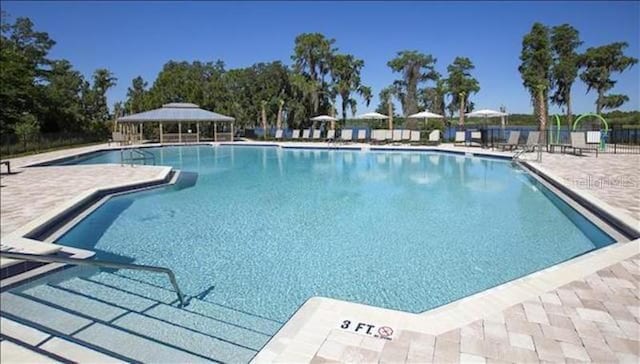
[198, 132]
[160, 131]
[179, 132]
[141, 129]
[215, 131]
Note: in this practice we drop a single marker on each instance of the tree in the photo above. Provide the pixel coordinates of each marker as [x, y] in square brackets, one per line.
[564, 41]
[535, 69]
[62, 104]
[345, 72]
[461, 84]
[312, 57]
[23, 66]
[600, 63]
[27, 128]
[415, 67]
[103, 80]
[433, 98]
[137, 96]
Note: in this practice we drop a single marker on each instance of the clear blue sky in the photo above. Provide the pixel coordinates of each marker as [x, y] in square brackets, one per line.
[137, 38]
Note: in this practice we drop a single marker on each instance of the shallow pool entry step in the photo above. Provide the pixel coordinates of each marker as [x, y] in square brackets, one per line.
[107, 315]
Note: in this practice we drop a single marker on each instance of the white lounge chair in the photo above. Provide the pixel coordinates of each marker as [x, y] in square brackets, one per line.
[279, 134]
[346, 135]
[316, 134]
[362, 135]
[306, 133]
[295, 134]
[406, 135]
[415, 137]
[388, 135]
[378, 136]
[434, 137]
[461, 138]
[396, 136]
[476, 137]
[578, 143]
[331, 135]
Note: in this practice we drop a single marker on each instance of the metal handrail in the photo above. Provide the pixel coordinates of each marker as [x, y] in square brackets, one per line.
[99, 263]
[145, 155]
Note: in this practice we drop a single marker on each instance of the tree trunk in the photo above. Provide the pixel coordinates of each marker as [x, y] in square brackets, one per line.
[279, 118]
[461, 111]
[569, 112]
[542, 112]
[599, 102]
[390, 112]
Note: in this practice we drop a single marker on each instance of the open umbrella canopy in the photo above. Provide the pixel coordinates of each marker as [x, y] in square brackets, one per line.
[372, 115]
[486, 113]
[426, 115]
[323, 118]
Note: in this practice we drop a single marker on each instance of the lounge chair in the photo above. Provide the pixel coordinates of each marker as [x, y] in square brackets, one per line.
[415, 137]
[316, 134]
[406, 135]
[434, 137]
[533, 139]
[331, 135]
[396, 136]
[578, 143]
[388, 135]
[279, 134]
[461, 138]
[476, 137]
[306, 133]
[362, 135]
[378, 136]
[512, 142]
[295, 134]
[346, 135]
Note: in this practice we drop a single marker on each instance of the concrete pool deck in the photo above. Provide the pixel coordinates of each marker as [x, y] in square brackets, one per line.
[586, 309]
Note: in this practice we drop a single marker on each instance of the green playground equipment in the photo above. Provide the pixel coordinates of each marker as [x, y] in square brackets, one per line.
[557, 139]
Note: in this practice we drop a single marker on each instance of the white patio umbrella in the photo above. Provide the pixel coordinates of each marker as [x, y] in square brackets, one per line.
[425, 115]
[372, 116]
[323, 118]
[485, 113]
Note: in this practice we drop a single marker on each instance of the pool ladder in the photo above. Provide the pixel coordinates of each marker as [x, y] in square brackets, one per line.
[99, 264]
[140, 155]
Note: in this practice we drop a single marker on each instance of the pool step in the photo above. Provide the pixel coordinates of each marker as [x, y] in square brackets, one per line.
[111, 316]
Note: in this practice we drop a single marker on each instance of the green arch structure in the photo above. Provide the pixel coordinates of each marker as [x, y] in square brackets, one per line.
[557, 130]
[604, 121]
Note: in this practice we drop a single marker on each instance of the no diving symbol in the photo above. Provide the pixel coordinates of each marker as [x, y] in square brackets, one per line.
[385, 331]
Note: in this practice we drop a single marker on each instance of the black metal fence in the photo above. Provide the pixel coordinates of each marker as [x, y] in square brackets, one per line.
[616, 141]
[11, 145]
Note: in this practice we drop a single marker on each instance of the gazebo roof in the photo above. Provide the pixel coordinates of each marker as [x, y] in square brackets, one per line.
[175, 112]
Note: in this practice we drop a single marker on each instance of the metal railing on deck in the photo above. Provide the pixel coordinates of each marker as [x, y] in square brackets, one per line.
[100, 264]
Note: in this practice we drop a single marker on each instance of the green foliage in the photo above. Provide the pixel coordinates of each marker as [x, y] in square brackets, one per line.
[312, 55]
[23, 66]
[345, 72]
[565, 40]
[415, 68]
[535, 69]
[599, 63]
[27, 128]
[461, 84]
[51, 91]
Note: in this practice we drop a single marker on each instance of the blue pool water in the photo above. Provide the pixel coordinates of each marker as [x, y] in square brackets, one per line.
[263, 229]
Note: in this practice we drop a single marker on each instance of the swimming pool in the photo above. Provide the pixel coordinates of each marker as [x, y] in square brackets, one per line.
[262, 229]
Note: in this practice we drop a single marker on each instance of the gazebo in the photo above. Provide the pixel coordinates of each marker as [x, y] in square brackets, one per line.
[175, 113]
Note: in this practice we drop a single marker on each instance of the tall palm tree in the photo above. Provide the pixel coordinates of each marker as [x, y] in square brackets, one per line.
[345, 72]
